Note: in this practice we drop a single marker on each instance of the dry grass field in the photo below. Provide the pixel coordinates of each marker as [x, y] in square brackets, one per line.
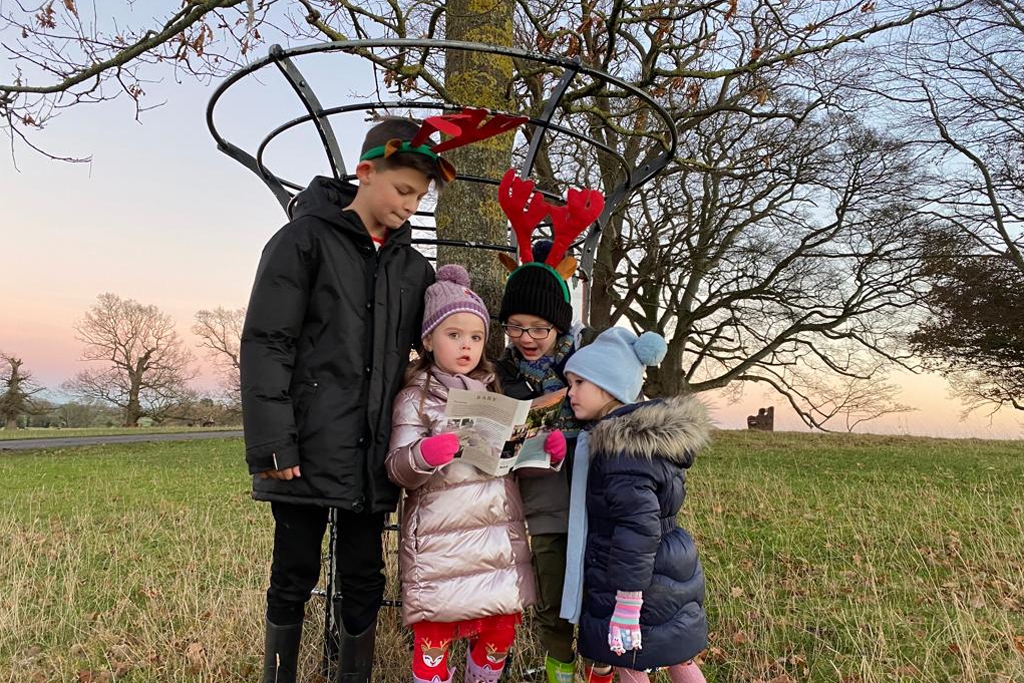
[856, 559]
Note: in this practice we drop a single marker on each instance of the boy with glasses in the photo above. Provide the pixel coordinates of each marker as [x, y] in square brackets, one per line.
[536, 314]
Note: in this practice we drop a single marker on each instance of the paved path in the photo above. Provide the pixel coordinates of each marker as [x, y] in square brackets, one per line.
[66, 441]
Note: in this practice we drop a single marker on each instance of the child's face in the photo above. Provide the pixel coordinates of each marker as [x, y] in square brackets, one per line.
[531, 348]
[389, 196]
[586, 398]
[457, 343]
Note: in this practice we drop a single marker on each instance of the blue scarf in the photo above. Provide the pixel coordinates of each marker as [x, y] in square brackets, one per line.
[572, 589]
[543, 372]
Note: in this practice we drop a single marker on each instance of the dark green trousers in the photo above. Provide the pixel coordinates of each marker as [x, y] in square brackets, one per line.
[555, 634]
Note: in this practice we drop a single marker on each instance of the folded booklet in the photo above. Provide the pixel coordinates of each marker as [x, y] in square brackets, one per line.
[500, 434]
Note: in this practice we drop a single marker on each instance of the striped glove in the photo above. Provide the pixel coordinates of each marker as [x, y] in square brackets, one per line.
[624, 628]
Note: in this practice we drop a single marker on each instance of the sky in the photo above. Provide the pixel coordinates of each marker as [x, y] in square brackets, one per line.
[162, 217]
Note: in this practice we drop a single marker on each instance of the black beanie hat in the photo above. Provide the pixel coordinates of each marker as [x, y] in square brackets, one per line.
[537, 289]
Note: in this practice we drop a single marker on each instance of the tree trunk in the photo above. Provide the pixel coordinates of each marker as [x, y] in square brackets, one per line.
[133, 411]
[13, 399]
[470, 211]
[667, 379]
[602, 298]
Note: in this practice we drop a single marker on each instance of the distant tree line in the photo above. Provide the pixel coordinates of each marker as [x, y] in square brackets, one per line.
[140, 370]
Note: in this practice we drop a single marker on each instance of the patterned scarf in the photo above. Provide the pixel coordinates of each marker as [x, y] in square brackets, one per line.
[543, 373]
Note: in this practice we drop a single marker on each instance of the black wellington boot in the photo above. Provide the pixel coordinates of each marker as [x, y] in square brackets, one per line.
[355, 656]
[281, 653]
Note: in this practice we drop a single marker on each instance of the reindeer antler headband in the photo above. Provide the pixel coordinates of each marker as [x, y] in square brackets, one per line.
[526, 208]
[463, 128]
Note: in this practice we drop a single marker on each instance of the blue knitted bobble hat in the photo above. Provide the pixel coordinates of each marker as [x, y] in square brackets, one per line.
[615, 361]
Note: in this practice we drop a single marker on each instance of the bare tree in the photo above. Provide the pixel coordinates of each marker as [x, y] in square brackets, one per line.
[779, 246]
[220, 332]
[19, 387]
[955, 87]
[63, 59]
[145, 366]
[84, 414]
[968, 86]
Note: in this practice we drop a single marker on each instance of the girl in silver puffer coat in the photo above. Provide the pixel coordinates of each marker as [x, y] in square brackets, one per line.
[464, 556]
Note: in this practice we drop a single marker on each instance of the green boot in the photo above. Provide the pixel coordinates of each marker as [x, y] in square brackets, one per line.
[559, 672]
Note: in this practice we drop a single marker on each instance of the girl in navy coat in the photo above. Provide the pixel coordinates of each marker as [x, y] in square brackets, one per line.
[634, 583]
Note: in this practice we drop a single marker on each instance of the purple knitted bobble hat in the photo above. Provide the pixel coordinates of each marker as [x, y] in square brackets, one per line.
[450, 294]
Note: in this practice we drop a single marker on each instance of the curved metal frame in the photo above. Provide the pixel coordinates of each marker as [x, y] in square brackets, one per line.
[282, 188]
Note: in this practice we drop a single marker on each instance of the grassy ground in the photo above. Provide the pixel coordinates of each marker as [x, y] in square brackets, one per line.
[828, 558]
[47, 433]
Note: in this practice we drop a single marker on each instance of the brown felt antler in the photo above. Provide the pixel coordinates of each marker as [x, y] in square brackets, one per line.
[465, 127]
[524, 207]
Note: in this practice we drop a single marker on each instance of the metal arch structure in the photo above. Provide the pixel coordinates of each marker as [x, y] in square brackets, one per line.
[284, 189]
[543, 126]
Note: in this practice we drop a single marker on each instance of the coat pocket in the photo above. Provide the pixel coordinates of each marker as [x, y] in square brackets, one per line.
[401, 338]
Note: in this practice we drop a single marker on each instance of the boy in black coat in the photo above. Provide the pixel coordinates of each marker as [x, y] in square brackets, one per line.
[336, 307]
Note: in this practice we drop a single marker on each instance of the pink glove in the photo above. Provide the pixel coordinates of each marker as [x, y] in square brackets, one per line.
[554, 446]
[624, 628]
[439, 450]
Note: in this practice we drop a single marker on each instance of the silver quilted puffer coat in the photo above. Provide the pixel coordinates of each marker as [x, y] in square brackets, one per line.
[464, 552]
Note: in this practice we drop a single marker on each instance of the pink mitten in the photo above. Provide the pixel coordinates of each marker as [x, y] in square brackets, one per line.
[554, 446]
[439, 450]
[624, 627]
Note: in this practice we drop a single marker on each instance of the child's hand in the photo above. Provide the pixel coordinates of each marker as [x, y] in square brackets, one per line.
[554, 446]
[284, 475]
[624, 628]
[439, 450]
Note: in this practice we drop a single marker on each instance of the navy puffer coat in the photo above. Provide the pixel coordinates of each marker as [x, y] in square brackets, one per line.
[639, 455]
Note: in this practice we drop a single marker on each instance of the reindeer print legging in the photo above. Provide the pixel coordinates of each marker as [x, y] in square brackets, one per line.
[489, 641]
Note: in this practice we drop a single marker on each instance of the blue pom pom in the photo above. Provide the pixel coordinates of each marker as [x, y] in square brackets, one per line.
[541, 249]
[650, 348]
[453, 273]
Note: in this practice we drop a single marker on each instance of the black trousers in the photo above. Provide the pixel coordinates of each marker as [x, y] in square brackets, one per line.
[298, 537]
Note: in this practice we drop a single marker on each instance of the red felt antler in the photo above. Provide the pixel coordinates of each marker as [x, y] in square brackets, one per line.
[582, 208]
[465, 127]
[524, 207]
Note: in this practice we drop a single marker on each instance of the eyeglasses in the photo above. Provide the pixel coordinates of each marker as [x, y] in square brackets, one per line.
[515, 331]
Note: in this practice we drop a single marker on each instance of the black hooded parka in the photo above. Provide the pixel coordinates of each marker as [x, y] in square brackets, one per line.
[326, 341]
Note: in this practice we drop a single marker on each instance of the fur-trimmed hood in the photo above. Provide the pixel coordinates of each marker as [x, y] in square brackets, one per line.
[673, 429]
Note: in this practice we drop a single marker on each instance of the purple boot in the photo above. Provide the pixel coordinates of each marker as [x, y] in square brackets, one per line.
[481, 674]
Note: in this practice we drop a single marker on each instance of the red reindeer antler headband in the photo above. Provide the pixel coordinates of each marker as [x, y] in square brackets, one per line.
[465, 127]
[526, 208]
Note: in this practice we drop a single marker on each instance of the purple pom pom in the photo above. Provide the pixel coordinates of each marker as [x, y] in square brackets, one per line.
[453, 273]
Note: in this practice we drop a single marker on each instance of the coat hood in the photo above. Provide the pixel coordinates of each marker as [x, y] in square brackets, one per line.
[673, 429]
[326, 199]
